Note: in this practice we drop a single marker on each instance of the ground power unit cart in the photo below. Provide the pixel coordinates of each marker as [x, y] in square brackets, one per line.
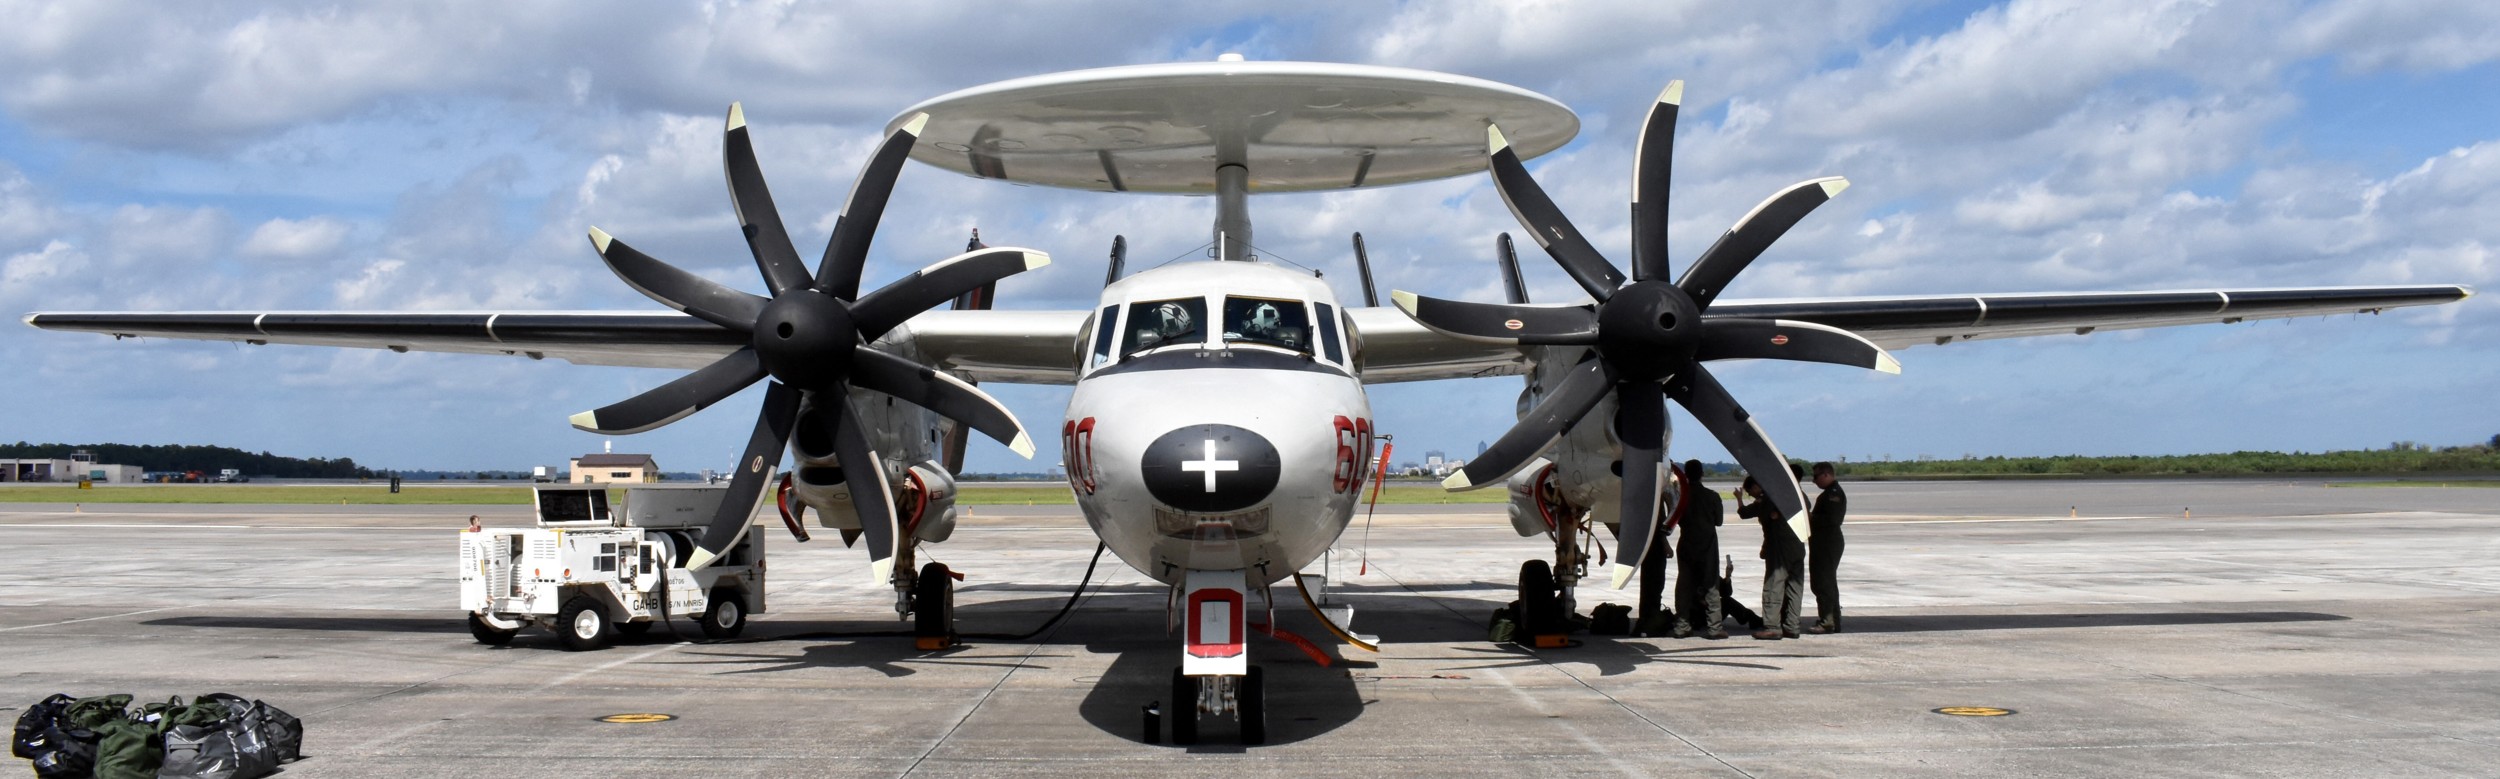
[588, 572]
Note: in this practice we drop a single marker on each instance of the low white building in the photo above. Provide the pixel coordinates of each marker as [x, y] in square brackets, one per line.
[615, 469]
[67, 471]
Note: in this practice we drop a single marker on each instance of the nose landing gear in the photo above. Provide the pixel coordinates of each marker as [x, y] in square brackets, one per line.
[1244, 697]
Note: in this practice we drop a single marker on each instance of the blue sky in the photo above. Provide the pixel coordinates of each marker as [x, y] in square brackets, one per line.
[253, 156]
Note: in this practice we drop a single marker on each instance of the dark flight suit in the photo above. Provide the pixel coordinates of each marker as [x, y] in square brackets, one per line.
[1823, 552]
[1783, 568]
[1654, 569]
[1697, 561]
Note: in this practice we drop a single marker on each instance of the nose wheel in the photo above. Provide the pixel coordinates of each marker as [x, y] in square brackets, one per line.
[1244, 696]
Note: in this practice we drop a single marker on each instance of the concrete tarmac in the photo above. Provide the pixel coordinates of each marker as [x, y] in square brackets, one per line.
[2288, 628]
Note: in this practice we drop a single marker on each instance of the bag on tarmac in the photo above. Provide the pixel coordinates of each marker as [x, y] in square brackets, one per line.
[1610, 619]
[127, 749]
[87, 713]
[37, 719]
[283, 731]
[1505, 627]
[1660, 623]
[210, 740]
[64, 751]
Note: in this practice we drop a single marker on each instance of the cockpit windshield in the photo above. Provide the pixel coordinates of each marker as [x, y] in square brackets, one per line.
[1155, 324]
[1284, 324]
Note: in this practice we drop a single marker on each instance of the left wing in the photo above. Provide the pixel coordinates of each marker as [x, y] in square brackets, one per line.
[1037, 347]
[1397, 348]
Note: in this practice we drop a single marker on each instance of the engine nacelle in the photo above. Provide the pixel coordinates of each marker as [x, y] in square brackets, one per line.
[924, 501]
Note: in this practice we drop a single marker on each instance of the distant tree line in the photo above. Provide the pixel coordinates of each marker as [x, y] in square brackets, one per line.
[206, 459]
[2399, 457]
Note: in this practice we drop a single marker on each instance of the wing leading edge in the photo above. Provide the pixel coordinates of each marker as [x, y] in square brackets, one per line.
[1396, 348]
[1035, 347]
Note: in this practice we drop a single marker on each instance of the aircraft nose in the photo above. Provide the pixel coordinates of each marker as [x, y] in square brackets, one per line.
[1210, 468]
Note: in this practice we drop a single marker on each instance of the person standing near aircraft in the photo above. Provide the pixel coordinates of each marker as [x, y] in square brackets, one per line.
[1696, 580]
[1823, 549]
[1783, 564]
[1649, 620]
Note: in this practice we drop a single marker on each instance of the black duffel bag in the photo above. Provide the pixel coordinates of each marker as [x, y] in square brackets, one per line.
[37, 719]
[65, 751]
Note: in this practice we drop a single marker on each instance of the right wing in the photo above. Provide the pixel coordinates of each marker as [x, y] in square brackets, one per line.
[1033, 347]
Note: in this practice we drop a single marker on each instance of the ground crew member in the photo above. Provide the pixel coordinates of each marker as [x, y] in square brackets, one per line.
[1823, 549]
[1783, 565]
[1654, 571]
[473, 526]
[1696, 580]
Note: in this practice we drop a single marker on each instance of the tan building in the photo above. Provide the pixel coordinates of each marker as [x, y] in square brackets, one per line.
[615, 469]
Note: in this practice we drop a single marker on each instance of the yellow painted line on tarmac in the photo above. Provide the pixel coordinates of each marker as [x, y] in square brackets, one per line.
[637, 718]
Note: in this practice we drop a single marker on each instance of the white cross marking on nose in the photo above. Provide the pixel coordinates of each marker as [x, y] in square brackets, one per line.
[1210, 465]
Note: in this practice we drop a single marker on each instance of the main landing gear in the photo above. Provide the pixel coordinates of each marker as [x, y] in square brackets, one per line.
[933, 608]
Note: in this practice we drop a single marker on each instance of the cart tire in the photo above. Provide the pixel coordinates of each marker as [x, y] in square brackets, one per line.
[583, 625]
[933, 603]
[726, 615]
[1253, 700]
[489, 634]
[1184, 709]
[634, 628]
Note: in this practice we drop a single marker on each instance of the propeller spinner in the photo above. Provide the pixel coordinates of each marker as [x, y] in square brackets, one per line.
[1647, 337]
[810, 337]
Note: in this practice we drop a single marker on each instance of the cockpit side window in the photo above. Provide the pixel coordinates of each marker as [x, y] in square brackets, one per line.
[1328, 334]
[1155, 324]
[1102, 335]
[1284, 324]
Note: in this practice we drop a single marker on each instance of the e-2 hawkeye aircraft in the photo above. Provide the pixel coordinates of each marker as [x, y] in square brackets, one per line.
[1218, 434]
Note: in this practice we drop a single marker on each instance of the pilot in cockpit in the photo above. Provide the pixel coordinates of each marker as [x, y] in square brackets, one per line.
[1265, 324]
[1172, 322]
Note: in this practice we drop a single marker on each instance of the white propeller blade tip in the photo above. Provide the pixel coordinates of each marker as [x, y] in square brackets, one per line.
[1884, 362]
[1404, 300]
[917, 123]
[587, 421]
[701, 557]
[737, 117]
[1832, 186]
[881, 572]
[1494, 143]
[1023, 445]
[1033, 259]
[1456, 481]
[600, 239]
[1624, 573]
[1674, 96]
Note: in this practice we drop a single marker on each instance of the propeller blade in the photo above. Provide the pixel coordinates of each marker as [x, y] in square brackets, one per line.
[1496, 323]
[754, 473]
[880, 311]
[1741, 244]
[1651, 162]
[702, 297]
[871, 494]
[847, 254]
[675, 400]
[1363, 265]
[1572, 398]
[1641, 424]
[766, 239]
[1514, 286]
[1546, 222]
[936, 391]
[1700, 393]
[1787, 339]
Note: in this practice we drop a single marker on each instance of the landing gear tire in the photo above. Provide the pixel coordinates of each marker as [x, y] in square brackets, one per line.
[726, 616]
[1252, 697]
[1184, 710]
[1538, 606]
[582, 625]
[933, 604]
[489, 634]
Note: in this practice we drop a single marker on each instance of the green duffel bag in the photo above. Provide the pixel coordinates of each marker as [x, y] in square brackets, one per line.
[1505, 627]
[127, 749]
[89, 712]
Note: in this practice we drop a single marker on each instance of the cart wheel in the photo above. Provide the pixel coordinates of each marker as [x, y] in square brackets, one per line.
[933, 603]
[489, 634]
[634, 628]
[727, 614]
[1184, 710]
[583, 625]
[1253, 700]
